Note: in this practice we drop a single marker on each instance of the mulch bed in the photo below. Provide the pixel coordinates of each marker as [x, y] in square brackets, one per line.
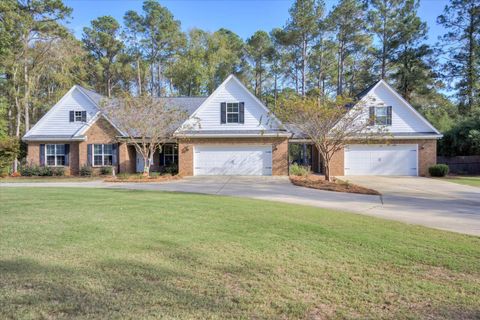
[319, 182]
[138, 178]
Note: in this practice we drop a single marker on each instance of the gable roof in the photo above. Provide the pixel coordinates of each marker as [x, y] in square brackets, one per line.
[362, 96]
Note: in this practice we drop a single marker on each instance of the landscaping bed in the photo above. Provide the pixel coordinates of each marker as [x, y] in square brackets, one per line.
[319, 182]
[142, 178]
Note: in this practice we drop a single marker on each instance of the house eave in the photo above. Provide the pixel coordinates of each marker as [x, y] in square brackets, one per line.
[54, 138]
[232, 136]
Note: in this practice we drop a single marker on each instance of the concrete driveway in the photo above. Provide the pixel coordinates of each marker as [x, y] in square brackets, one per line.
[427, 202]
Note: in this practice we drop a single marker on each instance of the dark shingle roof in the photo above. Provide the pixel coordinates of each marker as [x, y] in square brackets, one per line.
[189, 104]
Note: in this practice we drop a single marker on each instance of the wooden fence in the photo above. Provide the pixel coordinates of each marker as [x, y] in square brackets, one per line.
[462, 164]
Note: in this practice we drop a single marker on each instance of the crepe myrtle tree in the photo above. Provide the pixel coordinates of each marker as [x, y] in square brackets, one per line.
[329, 124]
[147, 122]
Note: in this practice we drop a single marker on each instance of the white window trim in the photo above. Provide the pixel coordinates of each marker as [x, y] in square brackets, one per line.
[237, 113]
[103, 155]
[377, 117]
[54, 155]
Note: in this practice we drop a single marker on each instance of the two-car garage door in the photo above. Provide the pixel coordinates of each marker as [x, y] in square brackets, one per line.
[382, 160]
[233, 160]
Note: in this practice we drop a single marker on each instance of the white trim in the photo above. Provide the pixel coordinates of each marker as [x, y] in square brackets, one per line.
[221, 86]
[79, 138]
[49, 111]
[405, 102]
[232, 135]
[55, 155]
[103, 154]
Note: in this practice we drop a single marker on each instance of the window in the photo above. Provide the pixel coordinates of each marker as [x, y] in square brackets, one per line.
[78, 116]
[233, 112]
[170, 154]
[55, 154]
[102, 154]
[381, 116]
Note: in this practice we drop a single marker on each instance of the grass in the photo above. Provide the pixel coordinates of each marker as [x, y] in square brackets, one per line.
[48, 179]
[84, 253]
[466, 180]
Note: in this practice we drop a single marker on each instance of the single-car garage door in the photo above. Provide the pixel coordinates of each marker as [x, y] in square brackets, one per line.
[232, 160]
[381, 160]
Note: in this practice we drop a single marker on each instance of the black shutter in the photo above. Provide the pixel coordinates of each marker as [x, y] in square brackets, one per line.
[114, 154]
[241, 114]
[84, 116]
[371, 117]
[223, 112]
[389, 115]
[160, 154]
[42, 154]
[67, 154]
[89, 154]
[72, 116]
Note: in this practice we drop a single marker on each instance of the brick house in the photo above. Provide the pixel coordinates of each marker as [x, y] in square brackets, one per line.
[234, 133]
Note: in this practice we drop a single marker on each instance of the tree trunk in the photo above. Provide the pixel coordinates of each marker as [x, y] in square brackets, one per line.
[26, 100]
[326, 161]
[275, 94]
[471, 62]
[139, 78]
[304, 63]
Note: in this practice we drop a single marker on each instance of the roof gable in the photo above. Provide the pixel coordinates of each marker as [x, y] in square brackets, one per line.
[56, 120]
[405, 118]
[207, 116]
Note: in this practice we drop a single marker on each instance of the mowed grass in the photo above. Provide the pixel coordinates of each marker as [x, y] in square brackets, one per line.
[47, 179]
[98, 253]
[469, 181]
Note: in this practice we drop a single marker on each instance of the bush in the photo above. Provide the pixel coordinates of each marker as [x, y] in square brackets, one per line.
[298, 170]
[438, 170]
[106, 171]
[9, 150]
[58, 171]
[154, 174]
[171, 169]
[86, 171]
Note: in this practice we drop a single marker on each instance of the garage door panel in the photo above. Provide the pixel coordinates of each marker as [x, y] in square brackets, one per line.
[233, 160]
[398, 159]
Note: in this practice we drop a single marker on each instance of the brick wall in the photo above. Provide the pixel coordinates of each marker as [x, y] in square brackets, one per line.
[33, 155]
[279, 152]
[427, 156]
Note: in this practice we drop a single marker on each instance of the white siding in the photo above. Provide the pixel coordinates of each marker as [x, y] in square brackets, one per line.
[403, 118]
[208, 114]
[57, 121]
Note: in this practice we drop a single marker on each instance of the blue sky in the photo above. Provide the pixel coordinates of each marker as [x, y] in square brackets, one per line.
[244, 17]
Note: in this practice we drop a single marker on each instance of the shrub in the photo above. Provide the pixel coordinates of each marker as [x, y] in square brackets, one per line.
[86, 171]
[298, 170]
[58, 171]
[106, 171]
[438, 170]
[171, 169]
[154, 174]
[9, 150]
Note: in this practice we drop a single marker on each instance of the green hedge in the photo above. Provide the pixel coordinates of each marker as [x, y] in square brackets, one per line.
[39, 171]
[298, 170]
[438, 170]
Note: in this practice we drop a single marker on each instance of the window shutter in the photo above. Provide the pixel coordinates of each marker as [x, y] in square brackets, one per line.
[89, 154]
[42, 154]
[371, 117]
[84, 116]
[67, 155]
[223, 112]
[389, 115]
[72, 116]
[115, 154]
[241, 114]
[161, 153]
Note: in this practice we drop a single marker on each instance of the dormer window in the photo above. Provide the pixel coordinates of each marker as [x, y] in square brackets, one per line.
[380, 116]
[232, 112]
[78, 116]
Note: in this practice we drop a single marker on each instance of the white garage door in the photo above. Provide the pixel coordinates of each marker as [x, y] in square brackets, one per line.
[381, 160]
[233, 160]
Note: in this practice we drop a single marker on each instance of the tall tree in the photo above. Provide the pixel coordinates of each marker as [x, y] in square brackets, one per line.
[385, 22]
[412, 70]
[160, 37]
[348, 22]
[102, 41]
[461, 43]
[260, 50]
[303, 27]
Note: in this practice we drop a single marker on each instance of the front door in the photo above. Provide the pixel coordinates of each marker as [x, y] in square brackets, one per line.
[140, 163]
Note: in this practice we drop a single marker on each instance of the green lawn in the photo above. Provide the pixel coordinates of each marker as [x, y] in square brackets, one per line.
[48, 179]
[469, 181]
[85, 253]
